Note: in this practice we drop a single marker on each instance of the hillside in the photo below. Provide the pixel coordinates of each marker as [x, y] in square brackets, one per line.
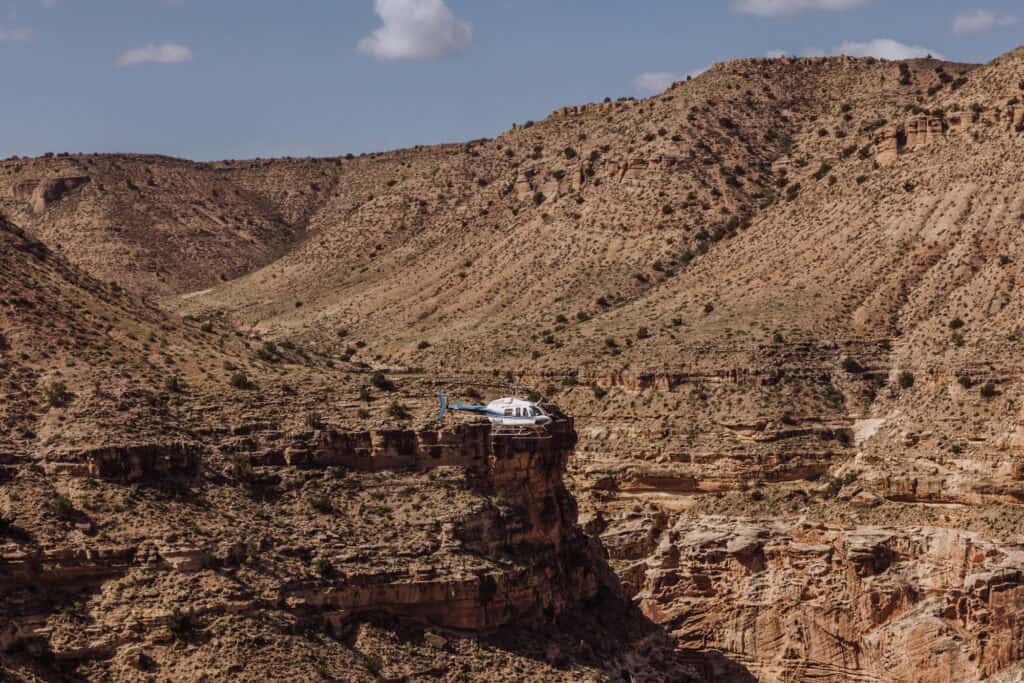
[778, 301]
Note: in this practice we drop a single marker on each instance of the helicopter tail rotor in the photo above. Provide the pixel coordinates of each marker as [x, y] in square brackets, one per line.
[443, 405]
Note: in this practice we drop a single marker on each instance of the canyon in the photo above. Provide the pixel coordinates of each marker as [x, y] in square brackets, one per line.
[775, 306]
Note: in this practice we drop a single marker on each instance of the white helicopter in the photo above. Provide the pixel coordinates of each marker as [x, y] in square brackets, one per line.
[509, 415]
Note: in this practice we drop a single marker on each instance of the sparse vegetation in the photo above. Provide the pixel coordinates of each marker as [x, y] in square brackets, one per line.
[57, 395]
[905, 379]
[852, 366]
[181, 624]
[380, 381]
[399, 411]
[322, 504]
[240, 380]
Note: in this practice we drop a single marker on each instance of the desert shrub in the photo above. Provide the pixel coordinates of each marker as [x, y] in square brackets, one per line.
[956, 324]
[905, 77]
[322, 504]
[957, 339]
[709, 308]
[240, 380]
[538, 198]
[238, 553]
[57, 394]
[174, 384]
[313, 421]
[823, 170]
[63, 506]
[643, 333]
[380, 381]
[905, 379]
[965, 381]
[374, 664]
[667, 209]
[267, 352]
[424, 344]
[569, 153]
[852, 366]
[324, 568]
[988, 390]
[399, 411]
[364, 394]
[611, 343]
[792, 192]
[181, 624]
[599, 392]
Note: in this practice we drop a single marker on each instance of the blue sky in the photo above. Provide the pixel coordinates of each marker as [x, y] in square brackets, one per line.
[212, 79]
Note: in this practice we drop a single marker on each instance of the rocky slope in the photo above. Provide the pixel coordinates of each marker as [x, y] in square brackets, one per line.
[779, 301]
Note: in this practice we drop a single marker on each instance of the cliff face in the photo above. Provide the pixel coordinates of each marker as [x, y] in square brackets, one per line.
[452, 528]
[874, 603]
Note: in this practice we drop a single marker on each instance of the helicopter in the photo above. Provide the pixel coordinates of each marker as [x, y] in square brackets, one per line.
[509, 415]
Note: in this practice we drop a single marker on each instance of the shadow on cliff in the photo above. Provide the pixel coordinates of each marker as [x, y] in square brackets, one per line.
[610, 633]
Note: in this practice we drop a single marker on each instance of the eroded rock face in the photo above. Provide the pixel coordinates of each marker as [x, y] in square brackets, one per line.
[507, 548]
[890, 604]
[42, 194]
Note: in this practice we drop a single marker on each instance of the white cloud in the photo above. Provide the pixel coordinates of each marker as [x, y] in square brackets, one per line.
[654, 82]
[15, 35]
[775, 8]
[164, 53]
[416, 29]
[885, 48]
[980, 21]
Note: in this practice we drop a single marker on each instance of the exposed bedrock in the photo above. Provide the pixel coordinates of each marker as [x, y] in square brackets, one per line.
[508, 547]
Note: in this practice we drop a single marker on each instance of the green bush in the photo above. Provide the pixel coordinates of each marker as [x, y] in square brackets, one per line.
[63, 507]
[57, 394]
[322, 504]
[240, 380]
[238, 553]
[374, 664]
[181, 624]
[399, 411]
[324, 568]
[380, 381]
[852, 366]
